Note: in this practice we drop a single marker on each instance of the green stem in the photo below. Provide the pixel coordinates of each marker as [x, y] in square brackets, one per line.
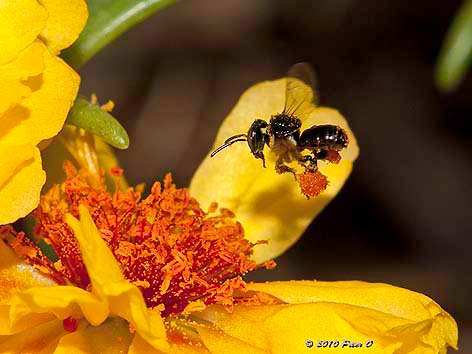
[456, 52]
[107, 20]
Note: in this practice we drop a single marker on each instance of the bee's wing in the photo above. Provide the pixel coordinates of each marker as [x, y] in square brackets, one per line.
[300, 93]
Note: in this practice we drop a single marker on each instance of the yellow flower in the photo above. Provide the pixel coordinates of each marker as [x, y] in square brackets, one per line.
[36, 91]
[162, 275]
[270, 206]
[380, 317]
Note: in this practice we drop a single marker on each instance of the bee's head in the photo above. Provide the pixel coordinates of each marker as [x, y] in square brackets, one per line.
[256, 138]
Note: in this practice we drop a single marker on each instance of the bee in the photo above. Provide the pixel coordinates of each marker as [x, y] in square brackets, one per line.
[283, 133]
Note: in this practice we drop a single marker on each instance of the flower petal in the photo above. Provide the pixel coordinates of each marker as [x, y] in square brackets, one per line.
[66, 20]
[270, 206]
[140, 346]
[382, 297]
[111, 337]
[218, 342]
[21, 21]
[12, 90]
[41, 115]
[396, 319]
[41, 339]
[20, 182]
[12, 158]
[60, 301]
[124, 299]
[385, 298]
[285, 328]
[15, 275]
[102, 267]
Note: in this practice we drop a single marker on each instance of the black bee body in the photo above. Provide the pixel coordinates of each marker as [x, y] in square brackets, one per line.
[323, 137]
[283, 135]
[282, 126]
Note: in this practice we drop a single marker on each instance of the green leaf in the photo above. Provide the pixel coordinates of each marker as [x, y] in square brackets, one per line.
[95, 120]
[456, 53]
[107, 20]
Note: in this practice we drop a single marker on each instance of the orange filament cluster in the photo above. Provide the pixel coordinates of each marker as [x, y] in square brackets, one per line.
[312, 183]
[180, 256]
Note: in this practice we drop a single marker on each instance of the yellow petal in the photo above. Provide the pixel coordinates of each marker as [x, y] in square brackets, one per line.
[385, 298]
[12, 158]
[219, 343]
[66, 20]
[41, 115]
[21, 21]
[29, 63]
[20, 183]
[102, 267]
[270, 206]
[111, 337]
[41, 339]
[124, 299]
[60, 301]
[140, 346]
[285, 328]
[15, 275]
[382, 297]
[11, 93]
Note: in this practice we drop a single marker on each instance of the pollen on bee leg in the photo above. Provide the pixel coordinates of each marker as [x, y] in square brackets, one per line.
[312, 183]
[333, 156]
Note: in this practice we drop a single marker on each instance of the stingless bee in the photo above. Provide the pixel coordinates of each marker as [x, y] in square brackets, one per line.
[283, 135]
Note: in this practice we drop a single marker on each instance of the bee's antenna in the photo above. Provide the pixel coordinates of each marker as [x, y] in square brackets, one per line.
[235, 137]
[228, 142]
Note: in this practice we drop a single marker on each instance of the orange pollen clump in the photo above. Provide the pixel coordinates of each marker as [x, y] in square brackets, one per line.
[312, 183]
[175, 252]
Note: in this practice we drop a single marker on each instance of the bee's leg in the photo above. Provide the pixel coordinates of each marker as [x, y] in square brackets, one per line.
[312, 162]
[260, 155]
[321, 155]
[280, 167]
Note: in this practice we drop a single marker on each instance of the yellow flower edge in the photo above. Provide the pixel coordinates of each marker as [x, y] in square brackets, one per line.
[36, 91]
[270, 206]
[66, 20]
[286, 328]
[18, 32]
[391, 319]
[21, 180]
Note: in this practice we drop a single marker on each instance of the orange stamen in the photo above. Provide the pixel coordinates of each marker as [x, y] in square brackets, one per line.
[181, 257]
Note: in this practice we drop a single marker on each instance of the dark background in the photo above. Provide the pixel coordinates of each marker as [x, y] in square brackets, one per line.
[402, 217]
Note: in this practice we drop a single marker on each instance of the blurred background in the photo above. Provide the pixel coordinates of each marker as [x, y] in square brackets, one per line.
[402, 216]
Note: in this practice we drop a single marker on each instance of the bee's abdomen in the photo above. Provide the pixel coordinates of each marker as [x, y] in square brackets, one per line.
[323, 137]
